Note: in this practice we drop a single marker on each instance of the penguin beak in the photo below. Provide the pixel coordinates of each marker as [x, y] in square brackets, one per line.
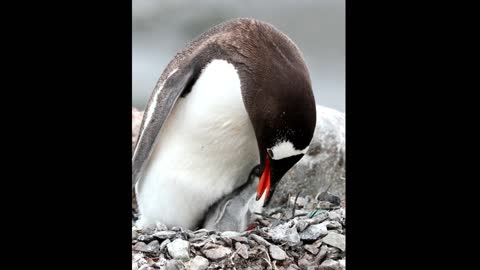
[265, 182]
[272, 174]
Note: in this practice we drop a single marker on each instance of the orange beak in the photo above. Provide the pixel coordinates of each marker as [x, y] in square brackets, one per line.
[264, 184]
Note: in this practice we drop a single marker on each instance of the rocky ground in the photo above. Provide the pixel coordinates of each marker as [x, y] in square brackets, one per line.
[311, 237]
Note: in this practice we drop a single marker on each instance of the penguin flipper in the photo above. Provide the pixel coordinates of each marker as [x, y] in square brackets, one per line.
[161, 103]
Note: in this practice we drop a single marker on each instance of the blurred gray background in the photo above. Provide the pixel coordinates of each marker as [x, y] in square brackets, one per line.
[161, 28]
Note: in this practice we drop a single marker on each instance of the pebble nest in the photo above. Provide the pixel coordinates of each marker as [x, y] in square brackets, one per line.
[306, 233]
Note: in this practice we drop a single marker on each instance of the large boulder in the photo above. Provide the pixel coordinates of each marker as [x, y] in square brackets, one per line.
[323, 167]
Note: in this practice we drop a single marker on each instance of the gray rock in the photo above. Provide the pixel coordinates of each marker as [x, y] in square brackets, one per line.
[164, 244]
[325, 205]
[322, 254]
[164, 234]
[333, 225]
[304, 263]
[150, 229]
[134, 234]
[226, 241]
[302, 225]
[198, 263]
[293, 267]
[175, 265]
[161, 263]
[241, 239]
[216, 252]
[330, 265]
[332, 215]
[285, 233]
[144, 238]
[145, 267]
[317, 243]
[260, 240]
[242, 250]
[324, 164]
[326, 196]
[229, 234]
[313, 232]
[335, 240]
[277, 253]
[153, 246]
[161, 227]
[334, 253]
[319, 218]
[312, 249]
[342, 263]
[179, 249]
[138, 258]
[141, 246]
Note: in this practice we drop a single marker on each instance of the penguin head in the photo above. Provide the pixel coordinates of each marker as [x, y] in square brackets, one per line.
[284, 119]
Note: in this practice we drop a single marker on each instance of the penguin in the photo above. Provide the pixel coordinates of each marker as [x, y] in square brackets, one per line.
[236, 101]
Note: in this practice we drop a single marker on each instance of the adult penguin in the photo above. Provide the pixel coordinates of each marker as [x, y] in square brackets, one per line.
[237, 97]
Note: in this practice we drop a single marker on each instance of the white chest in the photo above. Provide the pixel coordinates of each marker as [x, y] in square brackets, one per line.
[206, 148]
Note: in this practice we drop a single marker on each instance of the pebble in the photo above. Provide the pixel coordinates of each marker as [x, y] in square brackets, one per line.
[313, 232]
[175, 265]
[161, 227]
[285, 233]
[153, 246]
[216, 252]
[312, 249]
[260, 240]
[148, 229]
[164, 244]
[333, 225]
[198, 263]
[165, 234]
[321, 255]
[145, 237]
[241, 239]
[334, 253]
[304, 263]
[242, 250]
[329, 265]
[333, 215]
[335, 240]
[325, 196]
[302, 225]
[229, 234]
[315, 241]
[277, 253]
[179, 249]
[140, 246]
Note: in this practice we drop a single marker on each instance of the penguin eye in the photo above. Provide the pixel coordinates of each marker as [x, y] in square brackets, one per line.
[270, 153]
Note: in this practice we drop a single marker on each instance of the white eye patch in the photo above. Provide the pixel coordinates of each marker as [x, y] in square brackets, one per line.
[285, 149]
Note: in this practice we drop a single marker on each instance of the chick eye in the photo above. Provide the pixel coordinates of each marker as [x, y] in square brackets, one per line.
[270, 153]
